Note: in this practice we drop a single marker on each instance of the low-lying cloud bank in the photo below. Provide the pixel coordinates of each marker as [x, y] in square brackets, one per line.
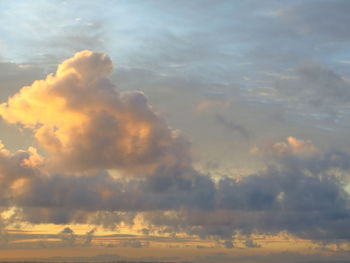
[88, 128]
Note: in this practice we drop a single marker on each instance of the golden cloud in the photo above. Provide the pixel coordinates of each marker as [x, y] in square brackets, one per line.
[81, 119]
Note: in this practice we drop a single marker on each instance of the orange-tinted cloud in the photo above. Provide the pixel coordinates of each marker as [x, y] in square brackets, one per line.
[292, 146]
[79, 117]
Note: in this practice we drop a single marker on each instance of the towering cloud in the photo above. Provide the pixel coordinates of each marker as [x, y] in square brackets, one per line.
[85, 123]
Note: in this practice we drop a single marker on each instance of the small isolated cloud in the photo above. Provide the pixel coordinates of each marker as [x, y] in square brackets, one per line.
[208, 105]
[232, 126]
[228, 244]
[292, 146]
[251, 244]
[67, 236]
[89, 236]
[134, 243]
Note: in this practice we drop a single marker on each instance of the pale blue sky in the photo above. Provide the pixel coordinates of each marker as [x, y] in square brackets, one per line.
[289, 57]
[244, 52]
[224, 42]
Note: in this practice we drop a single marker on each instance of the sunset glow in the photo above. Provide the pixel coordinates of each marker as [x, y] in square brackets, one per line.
[175, 131]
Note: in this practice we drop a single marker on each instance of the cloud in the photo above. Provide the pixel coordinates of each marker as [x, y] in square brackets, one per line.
[251, 244]
[292, 146]
[232, 126]
[228, 244]
[207, 104]
[88, 124]
[88, 128]
[15, 170]
[303, 195]
[4, 236]
[67, 236]
[325, 19]
[134, 243]
[315, 86]
[89, 236]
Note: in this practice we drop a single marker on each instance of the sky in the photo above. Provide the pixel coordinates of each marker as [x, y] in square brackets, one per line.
[175, 131]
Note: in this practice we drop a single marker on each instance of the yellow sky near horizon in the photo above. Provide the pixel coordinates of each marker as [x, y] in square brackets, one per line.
[118, 242]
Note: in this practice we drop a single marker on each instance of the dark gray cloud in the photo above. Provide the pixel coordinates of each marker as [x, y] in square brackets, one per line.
[134, 243]
[4, 236]
[233, 126]
[301, 194]
[161, 192]
[316, 86]
[228, 244]
[67, 236]
[324, 19]
[89, 237]
[251, 244]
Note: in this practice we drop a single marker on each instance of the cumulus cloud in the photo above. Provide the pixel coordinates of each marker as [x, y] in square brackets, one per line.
[302, 196]
[67, 236]
[79, 117]
[15, 170]
[292, 146]
[89, 236]
[88, 127]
